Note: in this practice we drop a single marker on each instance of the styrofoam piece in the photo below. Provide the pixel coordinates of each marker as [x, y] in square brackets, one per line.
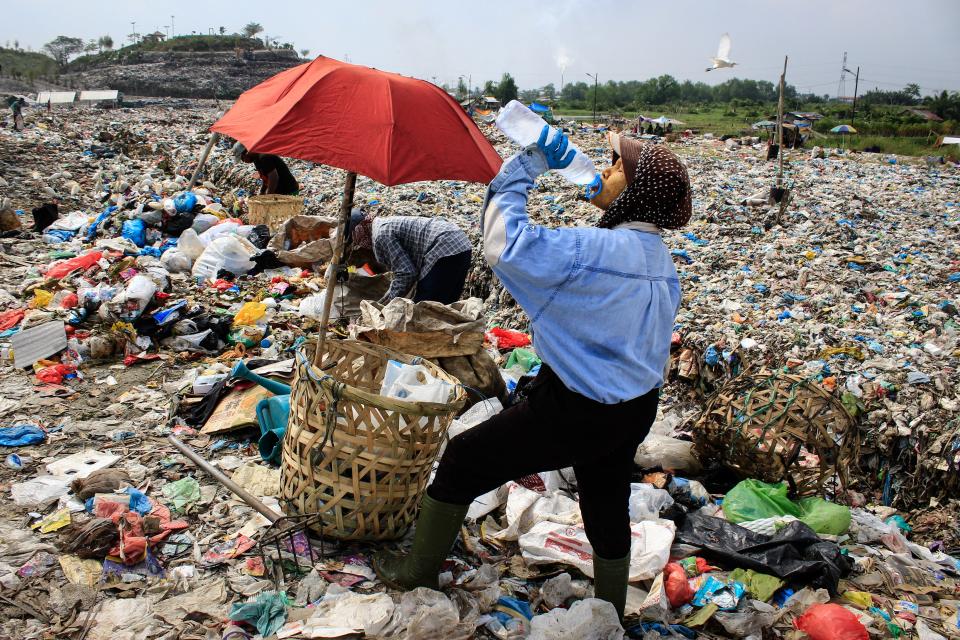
[36, 343]
[81, 464]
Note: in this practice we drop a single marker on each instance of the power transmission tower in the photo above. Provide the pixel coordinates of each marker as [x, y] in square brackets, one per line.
[842, 85]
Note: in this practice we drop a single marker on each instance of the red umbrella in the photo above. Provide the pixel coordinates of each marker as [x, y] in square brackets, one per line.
[383, 125]
[386, 126]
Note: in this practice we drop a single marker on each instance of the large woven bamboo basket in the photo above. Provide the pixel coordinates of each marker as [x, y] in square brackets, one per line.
[778, 427]
[273, 209]
[359, 459]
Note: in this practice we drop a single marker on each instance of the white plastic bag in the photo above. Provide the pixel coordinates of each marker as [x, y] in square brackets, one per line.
[35, 492]
[231, 253]
[190, 244]
[667, 453]
[646, 501]
[549, 542]
[526, 508]
[204, 221]
[589, 619]
[413, 382]
[176, 261]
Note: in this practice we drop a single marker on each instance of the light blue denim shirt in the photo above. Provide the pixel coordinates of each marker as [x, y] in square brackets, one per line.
[601, 302]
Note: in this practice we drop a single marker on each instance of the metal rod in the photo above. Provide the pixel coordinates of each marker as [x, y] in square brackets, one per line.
[346, 205]
[203, 159]
[218, 475]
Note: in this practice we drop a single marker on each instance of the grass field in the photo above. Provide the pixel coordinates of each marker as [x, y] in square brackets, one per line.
[720, 121]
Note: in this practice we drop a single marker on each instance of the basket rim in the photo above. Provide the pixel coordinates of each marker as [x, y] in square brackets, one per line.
[358, 394]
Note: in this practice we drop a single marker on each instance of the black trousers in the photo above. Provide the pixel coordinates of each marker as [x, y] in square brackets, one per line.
[552, 429]
[444, 282]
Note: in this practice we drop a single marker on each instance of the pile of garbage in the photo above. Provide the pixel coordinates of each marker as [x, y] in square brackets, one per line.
[126, 300]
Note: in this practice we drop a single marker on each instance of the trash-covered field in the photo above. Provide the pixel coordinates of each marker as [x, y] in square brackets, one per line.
[821, 345]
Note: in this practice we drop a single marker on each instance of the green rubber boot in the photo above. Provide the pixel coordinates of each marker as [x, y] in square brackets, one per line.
[610, 581]
[437, 528]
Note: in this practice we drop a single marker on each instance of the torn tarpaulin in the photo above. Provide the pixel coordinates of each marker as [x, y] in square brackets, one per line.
[794, 554]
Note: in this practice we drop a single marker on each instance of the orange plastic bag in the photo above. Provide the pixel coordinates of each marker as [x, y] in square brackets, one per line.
[831, 622]
[679, 591]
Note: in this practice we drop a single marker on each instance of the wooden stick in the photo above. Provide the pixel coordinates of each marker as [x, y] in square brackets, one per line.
[346, 206]
[780, 126]
[203, 159]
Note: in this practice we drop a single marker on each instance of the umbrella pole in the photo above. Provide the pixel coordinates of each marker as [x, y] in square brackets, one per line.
[203, 159]
[346, 206]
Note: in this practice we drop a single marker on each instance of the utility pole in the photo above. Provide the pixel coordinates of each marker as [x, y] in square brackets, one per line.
[856, 84]
[594, 76]
[173, 29]
[133, 30]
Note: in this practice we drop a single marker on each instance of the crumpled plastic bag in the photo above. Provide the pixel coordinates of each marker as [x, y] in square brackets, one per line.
[646, 501]
[250, 313]
[831, 622]
[268, 612]
[430, 615]
[589, 619]
[754, 500]
[751, 620]
[182, 493]
[665, 452]
[795, 554]
[21, 435]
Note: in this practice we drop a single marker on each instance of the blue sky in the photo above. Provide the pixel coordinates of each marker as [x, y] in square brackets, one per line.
[893, 41]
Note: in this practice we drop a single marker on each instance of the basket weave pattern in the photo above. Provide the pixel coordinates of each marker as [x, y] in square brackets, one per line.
[778, 427]
[363, 472]
[273, 209]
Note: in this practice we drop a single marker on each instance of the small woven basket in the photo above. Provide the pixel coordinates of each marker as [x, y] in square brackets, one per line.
[778, 427]
[273, 209]
[359, 459]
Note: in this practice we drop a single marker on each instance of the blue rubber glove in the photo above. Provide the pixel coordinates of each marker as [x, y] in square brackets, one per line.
[592, 190]
[554, 151]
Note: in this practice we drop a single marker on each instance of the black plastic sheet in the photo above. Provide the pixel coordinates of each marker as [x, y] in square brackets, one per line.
[795, 554]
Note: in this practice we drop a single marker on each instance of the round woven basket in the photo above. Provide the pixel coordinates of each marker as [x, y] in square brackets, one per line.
[778, 427]
[359, 459]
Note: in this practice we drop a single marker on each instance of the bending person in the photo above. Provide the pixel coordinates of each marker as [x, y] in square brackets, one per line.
[274, 172]
[602, 303]
[432, 254]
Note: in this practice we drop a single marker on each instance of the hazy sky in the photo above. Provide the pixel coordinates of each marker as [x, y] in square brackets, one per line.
[893, 41]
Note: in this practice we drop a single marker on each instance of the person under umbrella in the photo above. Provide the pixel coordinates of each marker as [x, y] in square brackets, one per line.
[274, 173]
[432, 254]
[602, 303]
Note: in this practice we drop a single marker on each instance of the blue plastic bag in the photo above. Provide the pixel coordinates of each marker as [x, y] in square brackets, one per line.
[185, 202]
[135, 231]
[21, 434]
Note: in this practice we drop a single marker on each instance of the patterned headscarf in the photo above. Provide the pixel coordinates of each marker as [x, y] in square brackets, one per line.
[361, 234]
[658, 188]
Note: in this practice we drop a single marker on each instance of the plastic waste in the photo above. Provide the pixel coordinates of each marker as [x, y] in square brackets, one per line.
[677, 586]
[230, 253]
[524, 127]
[754, 500]
[250, 313]
[667, 453]
[831, 622]
[750, 620]
[413, 382]
[135, 231]
[795, 554]
[589, 619]
[21, 435]
[176, 261]
[190, 245]
[184, 202]
[646, 501]
[81, 263]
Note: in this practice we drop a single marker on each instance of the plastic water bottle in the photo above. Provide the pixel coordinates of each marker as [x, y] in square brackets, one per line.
[524, 126]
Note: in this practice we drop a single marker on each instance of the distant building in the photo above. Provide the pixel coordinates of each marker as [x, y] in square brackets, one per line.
[154, 37]
[490, 102]
[927, 115]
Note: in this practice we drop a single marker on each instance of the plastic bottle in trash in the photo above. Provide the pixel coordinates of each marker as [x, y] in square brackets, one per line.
[524, 127]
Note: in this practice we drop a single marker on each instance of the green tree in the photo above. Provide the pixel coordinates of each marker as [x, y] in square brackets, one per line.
[507, 89]
[304, 53]
[91, 46]
[223, 30]
[462, 89]
[489, 88]
[62, 47]
[251, 29]
[105, 42]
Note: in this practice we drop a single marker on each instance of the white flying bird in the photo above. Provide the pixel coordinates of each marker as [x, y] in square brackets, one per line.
[722, 61]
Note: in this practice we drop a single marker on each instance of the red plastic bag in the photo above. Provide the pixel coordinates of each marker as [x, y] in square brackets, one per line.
[676, 585]
[63, 267]
[509, 339]
[10, 319]
[831, 622]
